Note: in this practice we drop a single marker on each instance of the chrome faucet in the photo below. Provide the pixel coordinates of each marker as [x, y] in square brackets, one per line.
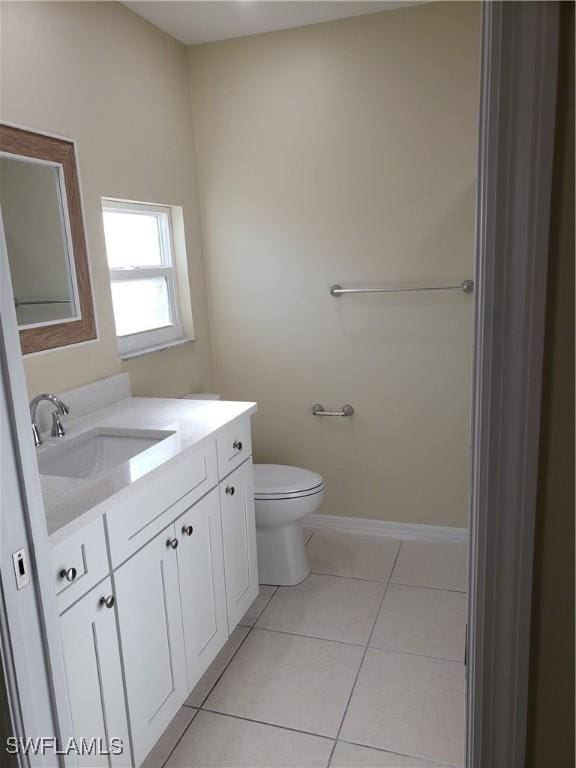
[61, 409]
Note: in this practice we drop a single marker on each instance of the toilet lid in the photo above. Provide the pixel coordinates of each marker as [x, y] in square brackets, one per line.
[279, 480]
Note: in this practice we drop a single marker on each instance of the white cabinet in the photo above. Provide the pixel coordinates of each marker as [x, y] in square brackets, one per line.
[94, 676]
[239, 538]
[182, 548]
[152, 639]
[202, 590]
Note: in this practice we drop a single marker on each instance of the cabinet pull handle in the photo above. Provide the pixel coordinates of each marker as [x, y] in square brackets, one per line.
[68, 573]
[237, 445]
[172, 543]
[108, 601]
[187, 530]
[230, 490]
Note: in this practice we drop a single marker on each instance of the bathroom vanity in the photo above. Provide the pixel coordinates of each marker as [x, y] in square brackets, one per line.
[154, 559]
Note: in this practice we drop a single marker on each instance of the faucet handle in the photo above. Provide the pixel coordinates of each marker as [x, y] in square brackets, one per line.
[36, 434]
[57, 426]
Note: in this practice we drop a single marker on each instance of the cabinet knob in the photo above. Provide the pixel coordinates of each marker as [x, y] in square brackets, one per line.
[68, 573]
[108, 601]
[187, 530]
[230, 490]
[172, 543]
[237, 445]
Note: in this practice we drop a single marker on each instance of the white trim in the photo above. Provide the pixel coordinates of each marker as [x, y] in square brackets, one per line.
[156, 348]
[414, 531]
[520, 52]
[145, 340]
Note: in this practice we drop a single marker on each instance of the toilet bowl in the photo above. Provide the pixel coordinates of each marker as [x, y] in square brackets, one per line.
[283, 497]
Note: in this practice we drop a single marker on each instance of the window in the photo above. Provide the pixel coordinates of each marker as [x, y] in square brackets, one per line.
[139, 247]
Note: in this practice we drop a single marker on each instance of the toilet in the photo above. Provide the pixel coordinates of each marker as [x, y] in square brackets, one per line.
[283, 497]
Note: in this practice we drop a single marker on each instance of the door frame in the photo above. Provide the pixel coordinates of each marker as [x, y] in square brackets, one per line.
[31, 661]
[517, 116]
[516, 151]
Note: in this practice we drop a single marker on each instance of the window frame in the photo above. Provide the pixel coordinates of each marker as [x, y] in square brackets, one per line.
[142, 341]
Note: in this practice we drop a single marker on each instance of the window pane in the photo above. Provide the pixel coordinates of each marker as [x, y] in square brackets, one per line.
[140, 305]
[132, 239]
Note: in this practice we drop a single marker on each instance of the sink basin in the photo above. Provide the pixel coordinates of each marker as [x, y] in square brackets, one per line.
[97, 452]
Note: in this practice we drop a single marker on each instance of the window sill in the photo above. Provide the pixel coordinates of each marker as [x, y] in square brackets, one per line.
[156, 348]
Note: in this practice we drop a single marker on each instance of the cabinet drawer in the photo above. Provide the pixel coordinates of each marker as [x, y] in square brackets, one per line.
[158, 502]
[79, 563]
[234, 446]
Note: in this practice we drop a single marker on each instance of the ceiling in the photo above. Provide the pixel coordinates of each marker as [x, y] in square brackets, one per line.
[205, 21]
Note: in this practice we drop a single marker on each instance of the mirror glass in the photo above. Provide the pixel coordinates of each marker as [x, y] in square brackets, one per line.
[32, 200]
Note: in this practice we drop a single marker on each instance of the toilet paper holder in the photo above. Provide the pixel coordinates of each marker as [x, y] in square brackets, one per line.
[319, 410]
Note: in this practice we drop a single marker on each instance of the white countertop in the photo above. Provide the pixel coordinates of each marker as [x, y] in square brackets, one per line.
[71, 503]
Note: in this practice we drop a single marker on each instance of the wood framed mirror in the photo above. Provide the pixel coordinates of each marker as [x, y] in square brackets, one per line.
[41, 212]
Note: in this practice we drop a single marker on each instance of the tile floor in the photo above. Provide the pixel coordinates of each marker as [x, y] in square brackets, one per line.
[360, 666]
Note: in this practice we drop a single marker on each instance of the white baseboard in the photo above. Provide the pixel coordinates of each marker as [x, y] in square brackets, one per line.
[387, 528]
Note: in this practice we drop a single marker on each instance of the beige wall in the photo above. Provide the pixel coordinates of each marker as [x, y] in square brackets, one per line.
[99, 74]
[346, 152]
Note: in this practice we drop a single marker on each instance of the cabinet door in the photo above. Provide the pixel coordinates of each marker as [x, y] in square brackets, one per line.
[152, 639]
[239, 535]
[202, 590]
[94, 677]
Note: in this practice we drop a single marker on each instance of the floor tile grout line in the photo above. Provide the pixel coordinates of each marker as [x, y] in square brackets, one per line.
[426, 586]
[231, 659]
[353, 578]
[179, 739]
[418, 655]
[345, 713]
[389, 581]
[266, 604]
[388, 584]
[309, 537]
[392, 752]
[326, 640]
[311, 637]
[269, 724]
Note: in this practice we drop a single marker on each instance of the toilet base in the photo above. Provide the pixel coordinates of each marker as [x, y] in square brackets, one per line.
[282, 557]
